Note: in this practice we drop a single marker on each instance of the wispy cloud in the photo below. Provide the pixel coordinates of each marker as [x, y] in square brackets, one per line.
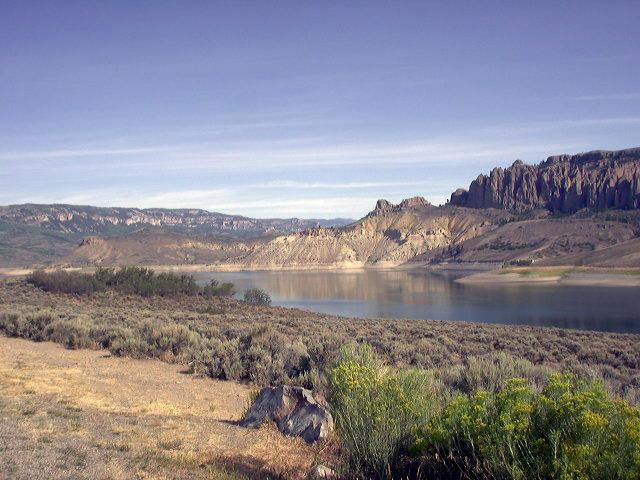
[217, 157]
[303, 150]
[80, 153]
[608, 96]
[279, 184]
[553, 125]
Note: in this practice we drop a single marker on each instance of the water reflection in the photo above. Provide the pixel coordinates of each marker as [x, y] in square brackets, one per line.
[419, 294]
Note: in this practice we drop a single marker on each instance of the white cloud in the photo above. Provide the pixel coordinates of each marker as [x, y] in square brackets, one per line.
[278, 184]
[609, 96]
[79, 152]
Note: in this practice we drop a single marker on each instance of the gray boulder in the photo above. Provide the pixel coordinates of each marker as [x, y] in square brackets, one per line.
[293, 409]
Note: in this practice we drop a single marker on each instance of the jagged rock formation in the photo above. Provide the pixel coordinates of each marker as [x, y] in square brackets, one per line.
[390, 235]
[385, 206]
[563, 183]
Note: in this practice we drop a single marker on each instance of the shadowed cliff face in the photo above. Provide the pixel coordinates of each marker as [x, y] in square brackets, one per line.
[562, 183]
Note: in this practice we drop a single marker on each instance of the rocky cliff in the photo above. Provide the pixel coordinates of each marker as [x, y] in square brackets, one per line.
[563, 183]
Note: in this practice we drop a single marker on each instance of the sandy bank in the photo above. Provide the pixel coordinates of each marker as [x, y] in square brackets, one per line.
[575, 276]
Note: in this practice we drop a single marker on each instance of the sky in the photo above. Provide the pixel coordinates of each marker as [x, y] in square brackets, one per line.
[299, 108]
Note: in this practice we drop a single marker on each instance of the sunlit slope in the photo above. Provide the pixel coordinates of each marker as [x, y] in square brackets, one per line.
[389, 236]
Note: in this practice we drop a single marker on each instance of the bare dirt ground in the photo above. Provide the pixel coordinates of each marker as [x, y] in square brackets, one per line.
[85, 414]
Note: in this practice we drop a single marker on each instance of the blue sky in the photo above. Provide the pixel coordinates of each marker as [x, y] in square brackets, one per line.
[310, 109]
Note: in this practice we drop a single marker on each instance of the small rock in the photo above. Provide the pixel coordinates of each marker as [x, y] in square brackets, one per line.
[323, 472]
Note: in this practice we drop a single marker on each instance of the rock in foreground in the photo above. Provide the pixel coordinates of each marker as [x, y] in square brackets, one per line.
[294, 410]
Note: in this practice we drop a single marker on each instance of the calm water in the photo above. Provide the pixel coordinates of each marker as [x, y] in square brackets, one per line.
[418, 294]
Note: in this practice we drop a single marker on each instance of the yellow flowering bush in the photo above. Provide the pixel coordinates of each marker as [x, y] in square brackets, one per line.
[571, 430]
[376, 409]
[405, 424]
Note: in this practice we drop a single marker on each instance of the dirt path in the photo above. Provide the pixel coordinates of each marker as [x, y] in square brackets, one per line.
[85, 414]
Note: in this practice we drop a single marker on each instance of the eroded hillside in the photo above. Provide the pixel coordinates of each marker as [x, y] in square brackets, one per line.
[388, 236]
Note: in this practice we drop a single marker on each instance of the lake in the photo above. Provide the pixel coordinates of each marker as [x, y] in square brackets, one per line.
[415, 294]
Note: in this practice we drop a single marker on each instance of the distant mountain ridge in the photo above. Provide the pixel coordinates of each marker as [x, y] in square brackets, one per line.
[563, 183]
[568, 210]
[90, 220]
[34, 234]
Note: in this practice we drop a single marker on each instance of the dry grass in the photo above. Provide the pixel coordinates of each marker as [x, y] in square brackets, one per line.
[84, 414]
[539, 271]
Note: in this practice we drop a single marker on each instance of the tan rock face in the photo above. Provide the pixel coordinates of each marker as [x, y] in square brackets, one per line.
[385, 206]
[389, 235]
[562, 183]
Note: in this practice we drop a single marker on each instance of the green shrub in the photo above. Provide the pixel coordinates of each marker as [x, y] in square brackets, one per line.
[231, 364]
[262, 367]
[74, 333]
[145, 282]
[572, 429]
[10, 324]
[376, 409]
[491, 372]
[133, 346]
[133, 280]
[257, 296]
[271, 357]
[62, 281]
[172, 340]
[32, 327]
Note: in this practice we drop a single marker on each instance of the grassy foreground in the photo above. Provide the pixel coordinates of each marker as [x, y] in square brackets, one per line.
[81, 414]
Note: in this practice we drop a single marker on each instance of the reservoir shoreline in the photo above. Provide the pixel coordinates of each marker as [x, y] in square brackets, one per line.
[470, 273]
